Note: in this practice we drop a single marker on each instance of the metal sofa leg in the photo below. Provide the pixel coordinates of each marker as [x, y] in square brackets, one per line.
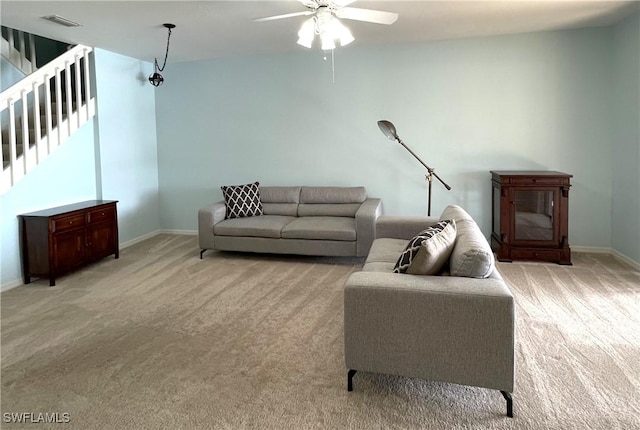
[350, 374]
[509, 399]
[202, 252]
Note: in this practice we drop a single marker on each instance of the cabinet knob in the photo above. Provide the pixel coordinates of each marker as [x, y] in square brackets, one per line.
[70, 222]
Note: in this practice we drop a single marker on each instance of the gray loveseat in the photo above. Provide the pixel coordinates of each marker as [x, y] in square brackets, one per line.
[331, 221]
[456, 328]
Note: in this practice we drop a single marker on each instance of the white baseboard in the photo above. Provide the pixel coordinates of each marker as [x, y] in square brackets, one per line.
[183, 232]
[139, 239]
[591, 249]
[624, 259]
[155, 233]
[10, 285]
[609, 251]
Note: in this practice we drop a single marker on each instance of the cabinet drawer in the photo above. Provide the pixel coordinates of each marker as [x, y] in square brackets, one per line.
[538, 181]
[99, 215]
[535, 254]
[67, 222]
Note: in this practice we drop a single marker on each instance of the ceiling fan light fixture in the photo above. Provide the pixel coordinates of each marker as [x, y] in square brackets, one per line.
[307, 33]
[342, 33]
[327, 42]
[326, 24]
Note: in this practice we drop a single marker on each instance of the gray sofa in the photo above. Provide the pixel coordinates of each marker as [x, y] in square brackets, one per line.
[331, 221]
[456, 328]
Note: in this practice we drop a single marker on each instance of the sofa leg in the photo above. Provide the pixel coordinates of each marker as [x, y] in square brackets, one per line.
[509, 399]
[202, 252]
[350, 374]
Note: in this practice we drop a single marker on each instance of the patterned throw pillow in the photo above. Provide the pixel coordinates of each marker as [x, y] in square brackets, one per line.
[428, 251]
[242, 200]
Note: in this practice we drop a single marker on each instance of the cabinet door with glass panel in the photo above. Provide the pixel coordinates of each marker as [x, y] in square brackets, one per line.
[530, 216]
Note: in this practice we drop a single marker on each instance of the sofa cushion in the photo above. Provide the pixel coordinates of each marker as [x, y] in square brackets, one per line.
[386, 250]
[333, 194]
[320, 227]
[378, 266]
[279, 194]
[242, 200]
[260, 226]
[472, 255]
[439, 238]
[328, 209]
[280, 200]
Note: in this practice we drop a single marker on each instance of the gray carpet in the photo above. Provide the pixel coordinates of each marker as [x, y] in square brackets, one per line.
[162, 339]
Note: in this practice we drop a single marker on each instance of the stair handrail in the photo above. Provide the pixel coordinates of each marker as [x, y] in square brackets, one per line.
[46, 137]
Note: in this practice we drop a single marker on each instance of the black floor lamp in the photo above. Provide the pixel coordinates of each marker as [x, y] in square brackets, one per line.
[389, 130]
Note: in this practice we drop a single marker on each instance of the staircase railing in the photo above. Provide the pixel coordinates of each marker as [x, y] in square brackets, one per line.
[24, 55]
[41, 111]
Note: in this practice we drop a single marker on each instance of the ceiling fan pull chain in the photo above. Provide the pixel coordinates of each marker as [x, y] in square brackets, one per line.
[333, 65]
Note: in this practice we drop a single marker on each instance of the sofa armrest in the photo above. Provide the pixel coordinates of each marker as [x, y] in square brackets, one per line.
[209, 216]
[440, 328]
[366, 217]
[402, 227]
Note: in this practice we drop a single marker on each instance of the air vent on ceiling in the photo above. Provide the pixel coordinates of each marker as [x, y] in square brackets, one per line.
[62, 21]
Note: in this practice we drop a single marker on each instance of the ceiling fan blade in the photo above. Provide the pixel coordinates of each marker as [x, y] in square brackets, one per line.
[367, 15]
[311, 4]
[286, 15]
[342, 3]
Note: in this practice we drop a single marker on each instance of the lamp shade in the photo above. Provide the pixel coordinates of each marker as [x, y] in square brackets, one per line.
[388, 129]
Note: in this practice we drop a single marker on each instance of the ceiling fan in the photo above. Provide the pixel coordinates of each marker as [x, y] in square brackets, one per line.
[326, 24]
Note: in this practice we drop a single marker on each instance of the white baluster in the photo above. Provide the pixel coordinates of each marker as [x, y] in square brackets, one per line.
[78, 90]
[12, 141]
[87, 84]
[59, 106]
[48, 117]
[32, 52]
[36, 119]
[68, 92]
[25, 132]
[10, 38]
[21, 45]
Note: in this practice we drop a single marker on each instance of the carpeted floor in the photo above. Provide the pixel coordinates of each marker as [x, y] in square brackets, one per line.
[162, 339]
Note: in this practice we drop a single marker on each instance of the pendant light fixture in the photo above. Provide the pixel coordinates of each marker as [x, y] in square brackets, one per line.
[156, 78]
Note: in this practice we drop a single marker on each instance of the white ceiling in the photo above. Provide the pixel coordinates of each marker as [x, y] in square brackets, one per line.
[211, 29]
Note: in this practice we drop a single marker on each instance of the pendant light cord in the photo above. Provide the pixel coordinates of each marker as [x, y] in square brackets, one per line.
[166, 54]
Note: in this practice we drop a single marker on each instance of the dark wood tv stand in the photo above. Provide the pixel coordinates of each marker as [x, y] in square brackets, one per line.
[530, 215]
[57, 240]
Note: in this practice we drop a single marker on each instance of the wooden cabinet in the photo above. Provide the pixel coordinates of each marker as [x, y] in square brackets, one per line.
[530, 216]
[57, 240]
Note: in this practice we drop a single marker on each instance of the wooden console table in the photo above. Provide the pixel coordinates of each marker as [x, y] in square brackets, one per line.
[57, 240]
[530, 216]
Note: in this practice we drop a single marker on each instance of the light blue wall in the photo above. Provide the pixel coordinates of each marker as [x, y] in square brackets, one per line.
[9, 74]
[626, 138]
[532, 101]
[128, 162]
[66, 176]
